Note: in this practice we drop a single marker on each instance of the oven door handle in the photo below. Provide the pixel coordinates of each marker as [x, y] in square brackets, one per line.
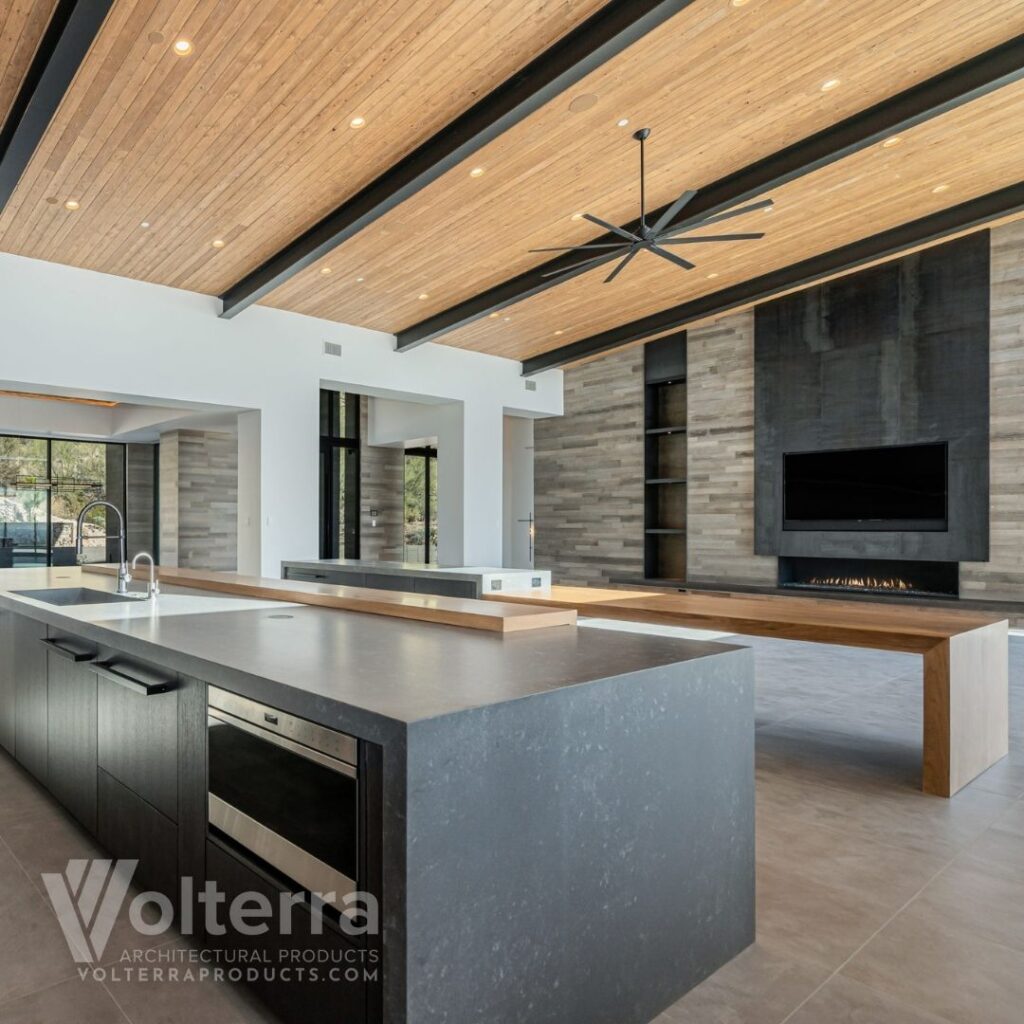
[325, 760]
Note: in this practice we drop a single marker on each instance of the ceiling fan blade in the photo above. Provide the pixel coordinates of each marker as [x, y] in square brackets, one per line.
[761, 204]
[672, 257]
[622, 265]
[687, 239]
[574, 248]
[669, 214]
[595, 260]
[610, 227]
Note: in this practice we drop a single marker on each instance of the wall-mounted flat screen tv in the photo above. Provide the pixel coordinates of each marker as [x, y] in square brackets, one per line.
[903, 487]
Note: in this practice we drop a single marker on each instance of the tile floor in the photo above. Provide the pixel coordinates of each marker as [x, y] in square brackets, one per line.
[876, 904]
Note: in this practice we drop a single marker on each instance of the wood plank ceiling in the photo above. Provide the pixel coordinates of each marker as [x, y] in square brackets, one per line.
[247, 141]
[22, 24]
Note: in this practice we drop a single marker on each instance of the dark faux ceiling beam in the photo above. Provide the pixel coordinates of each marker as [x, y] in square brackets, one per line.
[602, 36]
[936, 226]
[67, 39]
[968, 81]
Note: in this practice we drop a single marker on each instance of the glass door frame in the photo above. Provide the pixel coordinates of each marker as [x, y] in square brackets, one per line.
[338, 439]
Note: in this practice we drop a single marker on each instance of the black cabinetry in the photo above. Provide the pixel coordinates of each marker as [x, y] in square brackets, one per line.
[30, 716]
[71, 725]
[8, 687]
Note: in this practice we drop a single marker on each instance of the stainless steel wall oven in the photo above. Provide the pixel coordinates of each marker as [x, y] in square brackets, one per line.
[287, 791]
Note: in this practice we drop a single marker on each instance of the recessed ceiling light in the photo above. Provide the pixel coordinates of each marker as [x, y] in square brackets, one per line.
[476, 172]
[182, 47]
[940, 188]
[740, 3]
[894, 140]
[218, 243]
[622, 122]
[144, 224]
[360, 280]
[576, 216]
[557, 333]
[829, 84]
[325, 270]
[494, 316]
[423, 295]
[156, 37]
[713, 274]
[52, 200]
[506, 318]
[71, 204]
[357, 122]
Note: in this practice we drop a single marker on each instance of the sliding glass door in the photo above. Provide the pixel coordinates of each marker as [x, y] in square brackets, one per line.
[44, 484]
[421, 505]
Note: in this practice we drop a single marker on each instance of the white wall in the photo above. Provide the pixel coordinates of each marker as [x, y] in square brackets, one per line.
[92, 333]
[469, 468]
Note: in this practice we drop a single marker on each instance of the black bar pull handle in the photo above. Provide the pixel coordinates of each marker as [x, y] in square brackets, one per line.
[118, 673]
[68, 649]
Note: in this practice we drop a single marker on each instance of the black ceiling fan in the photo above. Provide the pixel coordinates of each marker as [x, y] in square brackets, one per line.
[652, 237]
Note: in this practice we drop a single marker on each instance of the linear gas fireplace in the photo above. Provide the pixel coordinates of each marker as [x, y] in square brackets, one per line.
[871, 576]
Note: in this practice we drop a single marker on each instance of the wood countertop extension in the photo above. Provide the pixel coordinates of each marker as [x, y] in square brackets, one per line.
[826, 621]
[499, 617]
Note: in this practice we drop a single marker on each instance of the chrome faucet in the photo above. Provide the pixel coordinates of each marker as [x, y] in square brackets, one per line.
[154, 587]
[124, 577]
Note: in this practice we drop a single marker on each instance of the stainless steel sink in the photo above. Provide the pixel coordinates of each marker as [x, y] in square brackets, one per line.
[71, 596]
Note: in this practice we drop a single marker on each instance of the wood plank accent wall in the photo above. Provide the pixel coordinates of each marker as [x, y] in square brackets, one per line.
[588, 474]
[720, 453]
[1002, 577]
[382, 483]
[199, 500]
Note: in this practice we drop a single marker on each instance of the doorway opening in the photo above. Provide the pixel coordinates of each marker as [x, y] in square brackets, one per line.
[420, 523]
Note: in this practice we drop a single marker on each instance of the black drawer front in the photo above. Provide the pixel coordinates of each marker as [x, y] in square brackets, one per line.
[138, 739]
[324, 1000]
[129, 828]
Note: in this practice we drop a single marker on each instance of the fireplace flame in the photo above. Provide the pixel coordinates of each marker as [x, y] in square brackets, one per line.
[861, 582]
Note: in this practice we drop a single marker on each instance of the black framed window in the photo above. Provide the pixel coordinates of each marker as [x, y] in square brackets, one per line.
[44, 484]
[339, 475]
[420, 504]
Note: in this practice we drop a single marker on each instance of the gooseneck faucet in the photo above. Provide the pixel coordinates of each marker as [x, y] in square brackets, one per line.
[154, 587]
[124, 577]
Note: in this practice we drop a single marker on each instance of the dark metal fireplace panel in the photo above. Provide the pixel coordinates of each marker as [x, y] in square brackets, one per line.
[871, 576]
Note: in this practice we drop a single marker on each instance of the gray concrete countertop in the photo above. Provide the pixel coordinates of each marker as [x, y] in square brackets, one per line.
[361, 672]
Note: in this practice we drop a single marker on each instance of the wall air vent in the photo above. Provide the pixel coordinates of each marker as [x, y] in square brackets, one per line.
[531, 385]
[332, 348]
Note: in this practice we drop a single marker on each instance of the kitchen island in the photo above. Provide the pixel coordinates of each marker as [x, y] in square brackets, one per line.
[558, 824]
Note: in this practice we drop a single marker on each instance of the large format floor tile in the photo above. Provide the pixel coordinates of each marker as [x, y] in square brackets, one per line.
[927, 961]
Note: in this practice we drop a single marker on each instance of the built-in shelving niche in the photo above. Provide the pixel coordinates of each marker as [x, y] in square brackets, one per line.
[665, 459]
